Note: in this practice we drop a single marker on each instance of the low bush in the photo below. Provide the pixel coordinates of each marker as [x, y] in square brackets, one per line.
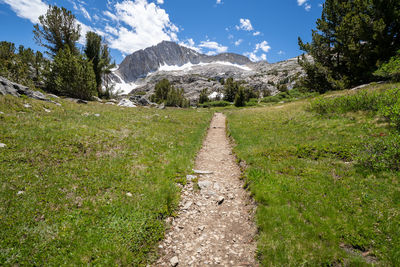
[215, 104]
[288, 96]
[385, 103]
[381, 154]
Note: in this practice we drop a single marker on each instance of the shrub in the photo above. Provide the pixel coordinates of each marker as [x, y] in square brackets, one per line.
[240, 98]
[382, 154]
[391, 69]
[72, 75]
[287, 96]
[215, 104]
[166, 93]
[203, 96]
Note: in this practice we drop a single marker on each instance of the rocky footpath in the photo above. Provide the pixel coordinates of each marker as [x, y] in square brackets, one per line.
[214, 225]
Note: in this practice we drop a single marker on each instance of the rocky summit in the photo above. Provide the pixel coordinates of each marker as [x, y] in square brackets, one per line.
[192, 71]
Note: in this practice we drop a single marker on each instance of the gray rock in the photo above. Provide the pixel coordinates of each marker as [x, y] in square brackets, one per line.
[187, 205]
[174, 261]
[97, 115]
[27, 105]
[204, 184]
[10, 88]
[144, 102]
[161, 106]
[53, 96]
[202, 172]
[76, 100]
[143, 62]
[110, 103]
[126, 103]
[95, 98]
[190, 177]
[2, 145]
[220, 200]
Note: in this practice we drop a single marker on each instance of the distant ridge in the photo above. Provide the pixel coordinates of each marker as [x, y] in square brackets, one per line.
[143, 62]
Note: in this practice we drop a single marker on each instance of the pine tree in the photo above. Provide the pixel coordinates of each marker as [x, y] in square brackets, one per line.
[231, 89]
[352, 38]
[203, 96]
[72, 75]
[57, 29]
[240, 98]
[99, 55]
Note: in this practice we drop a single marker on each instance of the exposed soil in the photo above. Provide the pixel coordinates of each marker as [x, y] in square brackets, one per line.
[215, 224]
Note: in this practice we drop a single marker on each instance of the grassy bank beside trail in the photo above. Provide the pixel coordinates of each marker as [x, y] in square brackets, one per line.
[90, 184]
[316, 204]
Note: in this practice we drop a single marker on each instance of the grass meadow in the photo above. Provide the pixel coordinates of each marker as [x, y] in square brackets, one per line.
[90, 184]
[317, 204]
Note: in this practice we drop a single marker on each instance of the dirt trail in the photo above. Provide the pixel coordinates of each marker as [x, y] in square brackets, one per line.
[214, 225]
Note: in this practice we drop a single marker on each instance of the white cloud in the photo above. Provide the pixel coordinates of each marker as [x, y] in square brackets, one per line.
[281, 52]
[160, 2]
[230, 36]
[213, 46]
[28, 9]
[238, 42]
[245, 24]
[307, 6]
[189, 43]
[85, 13]
[219, 2]
[110, 15]
[256, 33]
[253, 56]
[301, 2]
[139, 25]
[263, 46]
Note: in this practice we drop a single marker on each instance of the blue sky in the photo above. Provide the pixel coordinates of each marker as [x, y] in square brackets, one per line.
[260, 29]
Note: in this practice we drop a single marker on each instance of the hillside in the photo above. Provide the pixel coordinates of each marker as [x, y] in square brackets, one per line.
[192, 71]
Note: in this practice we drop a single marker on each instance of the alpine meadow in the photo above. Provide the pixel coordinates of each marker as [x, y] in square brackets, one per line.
[137, 133]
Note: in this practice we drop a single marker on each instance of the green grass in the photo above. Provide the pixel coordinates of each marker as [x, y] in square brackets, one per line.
[77, 189]
[316, 204]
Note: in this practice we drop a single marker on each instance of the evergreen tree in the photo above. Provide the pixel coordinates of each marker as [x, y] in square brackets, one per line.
[352, 38]
[231, 89]
[7, 56]
[161, 91]
[57, 29]
[72, 75]
[203, 96]
[391, 69]
[99, 55]
[240, 98]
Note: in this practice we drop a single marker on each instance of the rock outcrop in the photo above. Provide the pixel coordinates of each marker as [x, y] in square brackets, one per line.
[10, 88]
[187, 69]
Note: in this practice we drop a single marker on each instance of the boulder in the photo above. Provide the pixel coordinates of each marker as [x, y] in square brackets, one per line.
[144, 102]
[10, 88]
[126, 103]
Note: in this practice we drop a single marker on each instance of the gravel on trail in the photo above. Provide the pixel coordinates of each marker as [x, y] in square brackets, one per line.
[215, 223]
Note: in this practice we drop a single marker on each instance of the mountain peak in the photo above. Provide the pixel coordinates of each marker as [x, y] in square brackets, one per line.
[142, 62]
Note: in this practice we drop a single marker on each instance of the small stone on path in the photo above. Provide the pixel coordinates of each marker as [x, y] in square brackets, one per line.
[220, 200]
[190, 177]
[204, 184]
[202, 172]
[174, 261]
